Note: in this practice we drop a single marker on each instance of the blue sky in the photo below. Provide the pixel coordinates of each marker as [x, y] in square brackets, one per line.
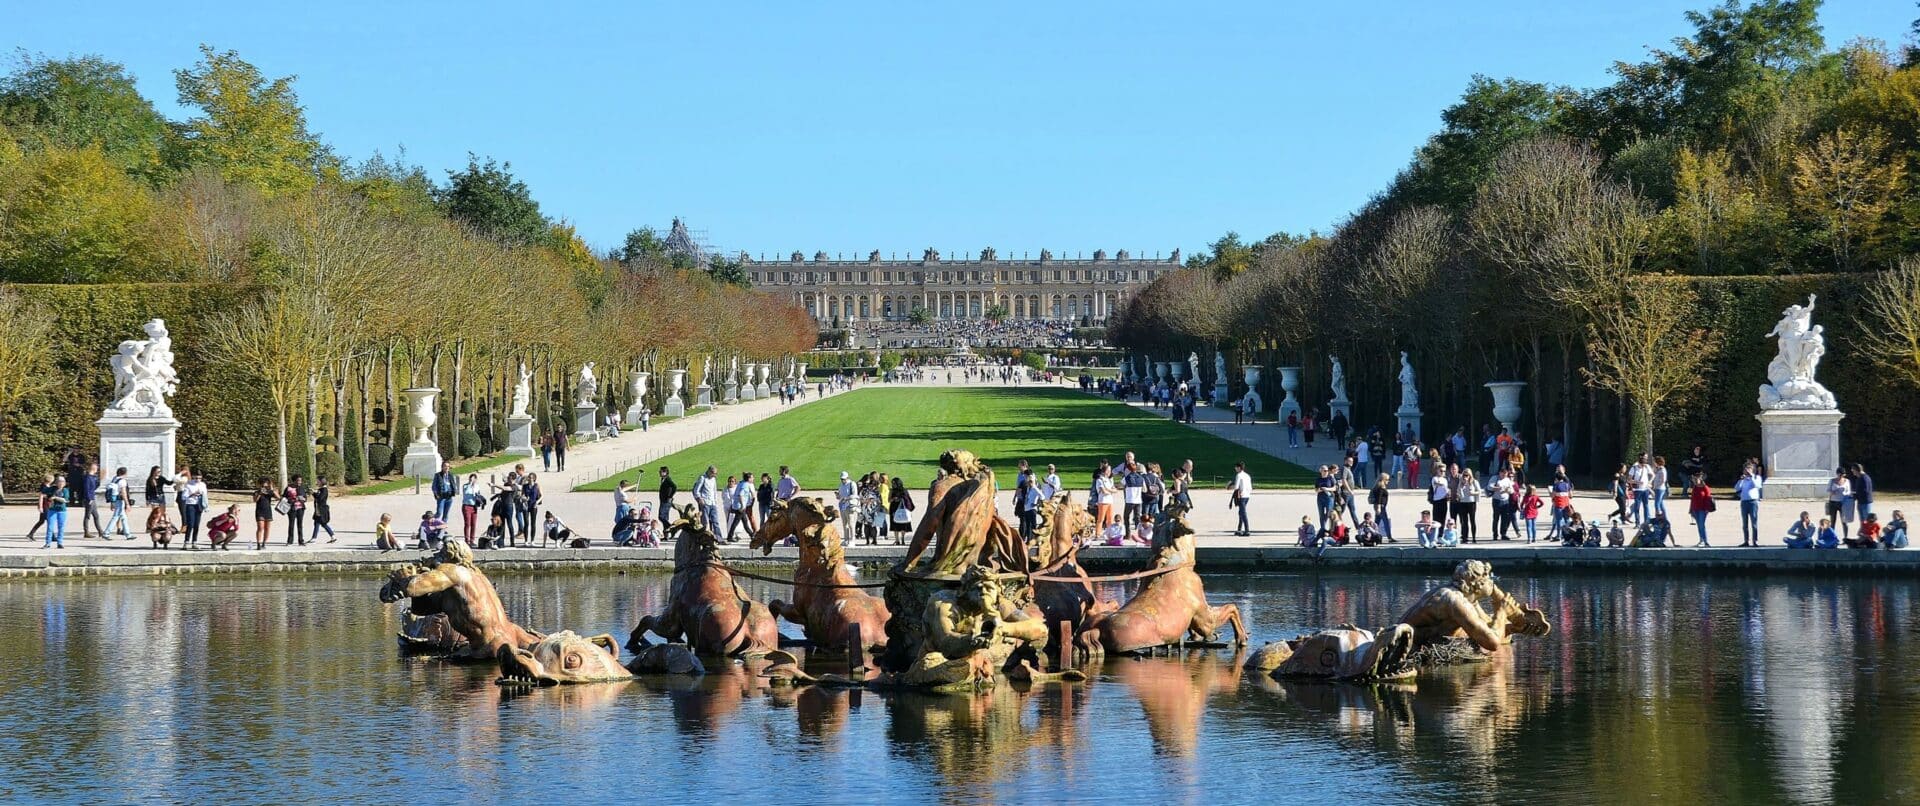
[897, 126]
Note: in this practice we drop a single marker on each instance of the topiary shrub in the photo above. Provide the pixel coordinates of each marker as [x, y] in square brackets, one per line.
[356, 469]
[379, 459]
[469, 442]
[330, 466]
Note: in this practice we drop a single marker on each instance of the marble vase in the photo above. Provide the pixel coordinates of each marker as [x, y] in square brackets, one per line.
[1289, 383]
[422, 459]
[1506, 403]
[674, 407]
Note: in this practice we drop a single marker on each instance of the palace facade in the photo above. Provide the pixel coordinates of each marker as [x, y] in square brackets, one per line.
[877, 289]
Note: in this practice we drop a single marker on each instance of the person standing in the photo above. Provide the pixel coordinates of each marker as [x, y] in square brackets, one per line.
[1749, 490]
[296, 497]
[901, 502]
[1338, 425]
[1466, 501]
[54, 499]
[1377, 500]
[560, 449]
[1699, 503]
[1308, 425]
[1640, 477]
[622, 499]
[193, 505]
[1530, 511]
[472, 498]
[646, 418]
[765, 495]
[1662, 486]
[1293, 429]
[117, 502]
[668, 490]
[787, 487]
[1439, 497]
[546, 453]
[180, 481]
[263, 501]
[1023, 483]
[1156, 493]
[445, 487]
[1050, 484]
[1862, 491]
[845, 499]
[88, 494]
[737, 506]
[1242, 494]
[1362, 459]
[706, 495]
[1098, 502]
[323, 512]
[1133, 493]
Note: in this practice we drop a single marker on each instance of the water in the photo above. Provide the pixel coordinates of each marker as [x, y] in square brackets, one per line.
[1683, 689]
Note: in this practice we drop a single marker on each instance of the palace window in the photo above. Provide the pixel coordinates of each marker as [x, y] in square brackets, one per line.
[1056, 275]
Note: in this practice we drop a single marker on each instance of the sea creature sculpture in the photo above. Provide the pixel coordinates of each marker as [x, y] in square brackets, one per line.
[825, 603]
[706, 609]
[449, 583]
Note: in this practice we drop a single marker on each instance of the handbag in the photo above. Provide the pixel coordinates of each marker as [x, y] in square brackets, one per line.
[281, 506]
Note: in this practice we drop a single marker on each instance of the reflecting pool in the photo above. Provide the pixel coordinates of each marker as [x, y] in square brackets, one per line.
[1686, 688]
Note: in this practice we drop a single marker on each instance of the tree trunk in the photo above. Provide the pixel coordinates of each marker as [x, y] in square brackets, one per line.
[311, 432]
[388, 393]
[459, 365]
[360, 417]
[280, 431]
[1566, 392]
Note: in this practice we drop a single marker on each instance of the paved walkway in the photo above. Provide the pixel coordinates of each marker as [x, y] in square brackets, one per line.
[1275, 514]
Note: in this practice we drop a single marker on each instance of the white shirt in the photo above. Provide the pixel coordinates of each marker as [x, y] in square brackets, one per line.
[1050, 486]
[1243, 484]
[1438, 492]
[703, 490]
[1502, 489]
[1361, 452]
[196, 493]
[1748, 488]
[1641, 476]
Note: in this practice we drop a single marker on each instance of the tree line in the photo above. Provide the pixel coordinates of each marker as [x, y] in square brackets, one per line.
[1547, 233]
[366, 277]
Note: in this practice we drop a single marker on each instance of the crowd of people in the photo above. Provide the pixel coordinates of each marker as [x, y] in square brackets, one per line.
[970, 333]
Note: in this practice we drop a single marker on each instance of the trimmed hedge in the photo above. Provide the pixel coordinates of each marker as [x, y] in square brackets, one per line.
[330, 466]
[224, 411]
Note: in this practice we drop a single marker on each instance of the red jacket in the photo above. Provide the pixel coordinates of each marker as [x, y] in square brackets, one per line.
[1701, 498]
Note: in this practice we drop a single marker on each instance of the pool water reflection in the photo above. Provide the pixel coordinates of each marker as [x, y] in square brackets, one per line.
[1686, 688]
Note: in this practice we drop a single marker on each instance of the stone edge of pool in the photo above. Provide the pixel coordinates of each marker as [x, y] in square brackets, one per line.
[1221, 559]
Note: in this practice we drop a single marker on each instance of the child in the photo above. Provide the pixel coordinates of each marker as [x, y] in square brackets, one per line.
[1449, 535]
[1424, 530]
[1143, 531]
[1530, 511]
[1828, 539]
[383, 538]
[432, 531]
[1869, 535]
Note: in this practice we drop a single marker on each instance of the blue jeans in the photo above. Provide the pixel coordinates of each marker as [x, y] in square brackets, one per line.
[1641, 512]
[119, 517]
[1700, 520]
[442, 507]
[1243, 528]
[190, 522]
[1750, 522]
[712, 513]
[1293, 437]
[57, 528]
[1660, 500]
[1532, 524]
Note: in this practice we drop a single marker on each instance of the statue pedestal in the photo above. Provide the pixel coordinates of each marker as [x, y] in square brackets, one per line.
[730, 394]
[1800, 447]
[1220, 392]
[763, 391]
[584, 427]
[1344, 408]
[703, 396]
[519, 435]
[634, 411]
[137, 444]
[421, 461]
[674, 407]
[1408, 419]
[746, 390]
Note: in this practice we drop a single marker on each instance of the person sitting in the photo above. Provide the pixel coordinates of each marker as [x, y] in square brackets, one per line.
[432, 532]
[1895, 536]
[1828, 538]
[1593, 536]
[1800, 535]
[1868, 537]
[1308, 538]
[1616, 536]
[552, 529]
[624, 530]
[223, 528]
[1425, 531]
[160, 528]
[1143, 531]
[1653, 533]
[1574, 532]
[1368, 534]
[1449, 535]
[383, 538]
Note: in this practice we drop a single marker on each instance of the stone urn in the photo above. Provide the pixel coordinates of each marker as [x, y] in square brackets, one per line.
[1506, 403]
[1289, 383]
[675, 407]
[423, 456]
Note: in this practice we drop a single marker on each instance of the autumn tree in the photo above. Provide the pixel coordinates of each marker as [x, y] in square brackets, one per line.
[85, 101]
[26, 351]
[1845, 184]
[251, 128]
[69, 215]
[1648, 347]
[1890, 326]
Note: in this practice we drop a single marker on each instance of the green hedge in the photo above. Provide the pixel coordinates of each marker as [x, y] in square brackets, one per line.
[224, 411]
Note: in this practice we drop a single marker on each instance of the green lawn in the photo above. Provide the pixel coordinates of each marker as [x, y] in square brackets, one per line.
[901, 432]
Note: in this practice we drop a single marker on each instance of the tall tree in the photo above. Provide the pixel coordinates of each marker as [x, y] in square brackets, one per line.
[1845, 184]
[249, 127]
[1890, 324]
[1647, 348]
[487, 197]
[1490, 116]
[26, 350]
[85, 101]
[69, 215]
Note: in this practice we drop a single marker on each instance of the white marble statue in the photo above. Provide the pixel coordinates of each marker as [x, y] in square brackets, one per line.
[733, 371]
[143, 375]
[589, 386]
[1790, 382]
[1339, 381]
[522, 392]
[1193, 365]
[1219, 368]
[1409, 396]
[706, 371]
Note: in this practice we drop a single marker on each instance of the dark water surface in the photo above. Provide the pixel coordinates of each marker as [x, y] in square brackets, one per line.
[1680, 689]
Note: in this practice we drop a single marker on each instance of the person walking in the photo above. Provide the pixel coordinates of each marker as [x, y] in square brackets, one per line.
[295, 496]
[1699, 503]
[668, 490]
[1242, 494]
[263, 505]
[1377, 500]
[88, 496]
[193, 505]
[1621, 489]
[54, 499]
[546, 454]
[446, 486]
[706, 494]
[646, 418]
[560, 449]
[1749, 490]
[737, 507]
[323, 511]
[1530, 511]
[116, 493]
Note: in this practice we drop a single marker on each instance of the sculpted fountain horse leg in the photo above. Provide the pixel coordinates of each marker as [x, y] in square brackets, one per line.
[705, 607]
[451, 584]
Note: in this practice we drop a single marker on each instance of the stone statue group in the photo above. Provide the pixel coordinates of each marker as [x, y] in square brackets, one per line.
[971, 604]
[143, 375]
